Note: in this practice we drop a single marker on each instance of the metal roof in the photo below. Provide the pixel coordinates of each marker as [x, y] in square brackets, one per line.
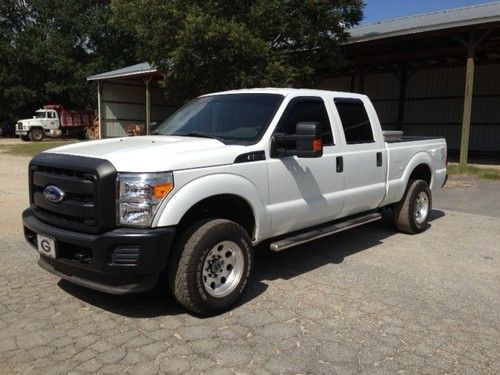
[439, 20]
[129, 71]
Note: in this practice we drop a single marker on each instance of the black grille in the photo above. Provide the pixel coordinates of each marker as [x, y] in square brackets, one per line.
[89, 187]
[19, 126]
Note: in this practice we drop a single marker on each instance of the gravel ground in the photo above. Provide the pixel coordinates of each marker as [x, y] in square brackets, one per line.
[369, 300]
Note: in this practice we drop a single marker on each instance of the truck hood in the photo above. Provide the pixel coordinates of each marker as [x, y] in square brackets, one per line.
[28, 121]
[156, 153]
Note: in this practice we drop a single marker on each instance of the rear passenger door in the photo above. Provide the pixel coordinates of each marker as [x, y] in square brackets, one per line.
[364, 154]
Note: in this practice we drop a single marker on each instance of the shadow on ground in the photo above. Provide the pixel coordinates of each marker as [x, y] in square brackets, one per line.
[269, 266]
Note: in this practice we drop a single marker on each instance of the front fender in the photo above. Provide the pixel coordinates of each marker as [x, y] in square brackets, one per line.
[175, 207]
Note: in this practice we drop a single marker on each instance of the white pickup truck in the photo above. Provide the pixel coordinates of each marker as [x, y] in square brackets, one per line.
[226, 172]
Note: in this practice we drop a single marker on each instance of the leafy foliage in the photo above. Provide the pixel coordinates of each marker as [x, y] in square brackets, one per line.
[49, 48]
[210, 45]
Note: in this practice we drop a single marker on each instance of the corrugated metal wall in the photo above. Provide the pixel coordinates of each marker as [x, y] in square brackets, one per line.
[123, 103]
[434, 103]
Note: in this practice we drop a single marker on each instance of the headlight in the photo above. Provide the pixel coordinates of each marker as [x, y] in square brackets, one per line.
[139, 196]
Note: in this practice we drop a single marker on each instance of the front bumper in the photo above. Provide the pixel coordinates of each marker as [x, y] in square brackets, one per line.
[120, 261]
[21, 132]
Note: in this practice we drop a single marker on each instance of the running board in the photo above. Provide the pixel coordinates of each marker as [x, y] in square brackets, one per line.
[319, 232]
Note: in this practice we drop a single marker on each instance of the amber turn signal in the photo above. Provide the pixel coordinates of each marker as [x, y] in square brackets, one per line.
[317, 144]
[159, 191]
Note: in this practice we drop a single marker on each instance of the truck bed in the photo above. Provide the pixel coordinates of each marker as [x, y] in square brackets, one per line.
[410, 138]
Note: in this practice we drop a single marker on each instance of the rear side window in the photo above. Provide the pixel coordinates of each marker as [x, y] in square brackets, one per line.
[306, 109]
[355, 121]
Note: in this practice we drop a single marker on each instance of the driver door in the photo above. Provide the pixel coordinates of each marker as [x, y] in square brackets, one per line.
[304, 191]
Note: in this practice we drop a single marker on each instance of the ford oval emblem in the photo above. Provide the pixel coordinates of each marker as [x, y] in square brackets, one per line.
[53, 194]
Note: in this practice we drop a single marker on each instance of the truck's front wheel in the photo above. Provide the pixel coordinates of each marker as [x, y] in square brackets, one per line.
[36, 135]
[210, 266]
[411, 214]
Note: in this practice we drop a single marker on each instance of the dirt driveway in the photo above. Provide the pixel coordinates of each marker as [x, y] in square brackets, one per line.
[369, 300]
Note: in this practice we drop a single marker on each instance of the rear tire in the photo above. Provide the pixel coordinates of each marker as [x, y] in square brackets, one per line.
[210, 266]
[411, 213]
[36, 135]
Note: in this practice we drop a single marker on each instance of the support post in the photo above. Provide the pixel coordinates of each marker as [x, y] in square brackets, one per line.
[99, 104]
[467, 112]
[148, 104]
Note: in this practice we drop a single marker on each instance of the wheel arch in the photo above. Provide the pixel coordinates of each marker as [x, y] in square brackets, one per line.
[419, 167]
[421, 172]
[222, 195]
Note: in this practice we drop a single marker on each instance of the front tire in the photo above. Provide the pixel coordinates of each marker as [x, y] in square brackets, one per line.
[36, 135]
[210, 266]
[411, 213]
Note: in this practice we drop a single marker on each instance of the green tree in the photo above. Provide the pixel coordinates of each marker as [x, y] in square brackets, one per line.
[208, 45]
[49, 48]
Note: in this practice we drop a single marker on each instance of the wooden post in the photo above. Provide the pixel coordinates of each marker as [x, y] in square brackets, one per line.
[469, 87]
[148, 104]
[99, 104]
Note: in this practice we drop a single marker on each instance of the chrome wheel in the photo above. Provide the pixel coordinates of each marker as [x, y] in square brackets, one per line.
[421, 207]
[223, 269]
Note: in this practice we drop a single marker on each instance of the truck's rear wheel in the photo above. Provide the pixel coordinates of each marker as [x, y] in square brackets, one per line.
[36, 135]
[411, 214]
[210, 266]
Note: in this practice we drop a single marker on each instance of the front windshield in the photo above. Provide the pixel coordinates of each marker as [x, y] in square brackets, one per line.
[231, 118]
[40, 114]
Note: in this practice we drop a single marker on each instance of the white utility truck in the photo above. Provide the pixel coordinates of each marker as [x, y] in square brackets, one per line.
[54, 121]
[228, 171]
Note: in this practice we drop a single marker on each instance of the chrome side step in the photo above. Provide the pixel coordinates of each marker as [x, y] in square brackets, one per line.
[319, 232]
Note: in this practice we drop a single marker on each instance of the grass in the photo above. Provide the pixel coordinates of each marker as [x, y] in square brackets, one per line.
[477, 172]
[30, 148]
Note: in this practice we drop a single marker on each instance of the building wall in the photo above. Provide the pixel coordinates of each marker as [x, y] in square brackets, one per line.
[434, 103]
[123, 105]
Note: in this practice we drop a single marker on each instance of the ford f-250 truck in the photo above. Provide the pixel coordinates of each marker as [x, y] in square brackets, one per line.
[226, 172]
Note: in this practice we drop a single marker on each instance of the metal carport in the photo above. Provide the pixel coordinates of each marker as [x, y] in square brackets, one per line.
[435, 74]
[130, 98]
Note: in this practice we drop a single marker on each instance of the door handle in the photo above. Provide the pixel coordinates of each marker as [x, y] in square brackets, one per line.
[340, 164]
[379, 159]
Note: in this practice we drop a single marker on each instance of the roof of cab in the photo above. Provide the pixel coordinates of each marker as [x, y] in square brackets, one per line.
[286, 92]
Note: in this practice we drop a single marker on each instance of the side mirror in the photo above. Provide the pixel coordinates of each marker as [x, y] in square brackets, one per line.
[309, 143]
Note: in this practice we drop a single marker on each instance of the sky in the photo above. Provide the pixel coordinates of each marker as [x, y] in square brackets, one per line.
[379, 10]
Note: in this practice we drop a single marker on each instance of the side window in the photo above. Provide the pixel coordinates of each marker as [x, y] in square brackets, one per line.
[306, 109]
[355, 121]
